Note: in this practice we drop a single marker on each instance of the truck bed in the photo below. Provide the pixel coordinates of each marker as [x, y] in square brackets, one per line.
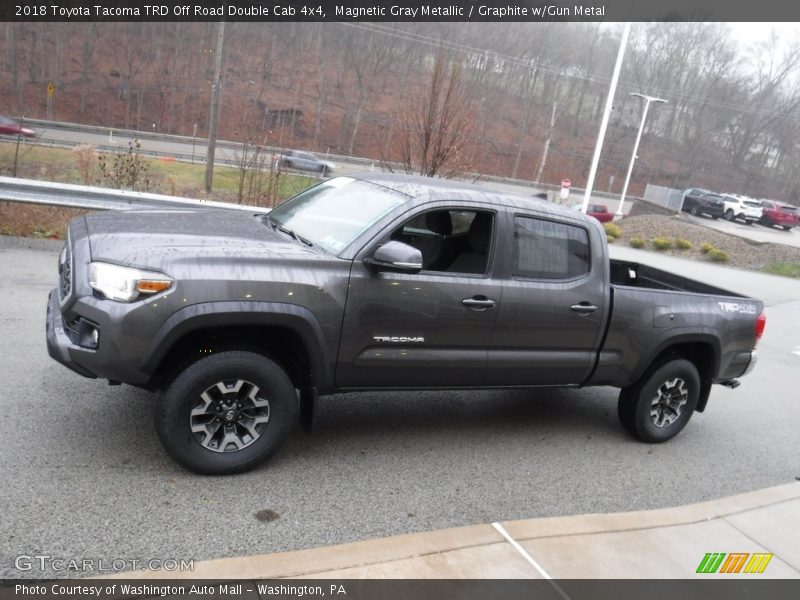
[631, 274]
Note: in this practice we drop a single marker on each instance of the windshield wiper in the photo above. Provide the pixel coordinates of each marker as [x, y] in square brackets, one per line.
[268, 221]
[295, 236]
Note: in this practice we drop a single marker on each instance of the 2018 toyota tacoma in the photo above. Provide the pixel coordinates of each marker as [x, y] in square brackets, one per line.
[240, 319]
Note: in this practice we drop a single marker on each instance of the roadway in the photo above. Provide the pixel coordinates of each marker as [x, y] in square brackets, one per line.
[194, 150]
[85, 476]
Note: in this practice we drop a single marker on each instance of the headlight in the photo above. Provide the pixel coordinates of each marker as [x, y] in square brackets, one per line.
[124, 284]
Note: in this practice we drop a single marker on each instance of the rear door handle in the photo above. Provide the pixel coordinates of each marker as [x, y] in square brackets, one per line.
[583, 308]
[479, 302]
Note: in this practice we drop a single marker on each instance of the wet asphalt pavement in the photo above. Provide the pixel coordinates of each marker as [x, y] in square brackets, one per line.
[84, 476]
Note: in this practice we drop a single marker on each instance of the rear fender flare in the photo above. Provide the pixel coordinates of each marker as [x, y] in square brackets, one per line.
[674, 338]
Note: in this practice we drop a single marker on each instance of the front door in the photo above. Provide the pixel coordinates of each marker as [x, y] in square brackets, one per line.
[428, 329]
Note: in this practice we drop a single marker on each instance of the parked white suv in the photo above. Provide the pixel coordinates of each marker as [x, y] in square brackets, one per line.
[742, 208]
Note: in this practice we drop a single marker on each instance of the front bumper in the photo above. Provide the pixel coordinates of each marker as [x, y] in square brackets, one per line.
[59, 344]
[114, 321]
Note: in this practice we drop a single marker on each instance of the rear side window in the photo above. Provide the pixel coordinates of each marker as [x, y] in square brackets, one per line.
[547, 250]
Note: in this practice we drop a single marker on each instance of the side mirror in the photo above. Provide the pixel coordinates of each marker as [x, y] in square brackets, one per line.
[396, 256]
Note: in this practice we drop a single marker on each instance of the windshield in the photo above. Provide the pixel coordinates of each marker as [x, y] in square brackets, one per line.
[334, 213]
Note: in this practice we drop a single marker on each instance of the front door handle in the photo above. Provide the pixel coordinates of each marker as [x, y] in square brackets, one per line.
[583, 308]
[479, 302]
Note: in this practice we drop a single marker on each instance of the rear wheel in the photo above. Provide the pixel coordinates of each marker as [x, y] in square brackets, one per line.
[729, 214]
[693, 211]
[787, 227]
[226, 413]
[658, 406]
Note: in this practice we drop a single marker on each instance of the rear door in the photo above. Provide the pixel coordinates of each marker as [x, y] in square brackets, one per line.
[550, 322]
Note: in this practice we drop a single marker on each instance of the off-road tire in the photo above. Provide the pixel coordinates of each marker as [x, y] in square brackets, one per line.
[636, 403]
[173, 412]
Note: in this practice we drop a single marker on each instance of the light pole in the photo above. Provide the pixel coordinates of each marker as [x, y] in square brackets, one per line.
[647, 101]
[612, 88]
[213, 113]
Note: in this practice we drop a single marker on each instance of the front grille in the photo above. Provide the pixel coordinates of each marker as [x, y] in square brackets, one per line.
[65, 272]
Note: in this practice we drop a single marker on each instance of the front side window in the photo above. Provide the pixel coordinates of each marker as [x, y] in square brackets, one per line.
[334, 213]
[452, 241]
[548, 250]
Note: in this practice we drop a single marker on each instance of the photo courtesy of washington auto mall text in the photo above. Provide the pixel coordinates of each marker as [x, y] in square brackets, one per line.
[199, 590]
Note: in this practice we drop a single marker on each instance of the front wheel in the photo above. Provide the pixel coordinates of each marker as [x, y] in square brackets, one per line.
[658, 406]
[729, 214]
[693, 211]
[226, 413]
[787, 227]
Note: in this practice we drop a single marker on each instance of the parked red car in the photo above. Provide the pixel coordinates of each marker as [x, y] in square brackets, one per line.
[779, 214]
[600, 212]
[11, 127]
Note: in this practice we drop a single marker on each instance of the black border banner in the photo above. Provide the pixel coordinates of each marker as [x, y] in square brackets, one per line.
[745, 587]
[399, 10]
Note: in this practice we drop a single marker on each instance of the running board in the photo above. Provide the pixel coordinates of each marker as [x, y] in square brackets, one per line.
[731, 383]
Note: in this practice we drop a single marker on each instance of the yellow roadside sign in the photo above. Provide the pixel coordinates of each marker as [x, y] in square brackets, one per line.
[51, 90]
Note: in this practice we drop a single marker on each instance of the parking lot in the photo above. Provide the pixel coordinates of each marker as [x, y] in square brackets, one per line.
[755, 232]
[85, 476]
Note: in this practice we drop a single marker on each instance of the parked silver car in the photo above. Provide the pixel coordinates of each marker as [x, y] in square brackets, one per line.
[305, 161]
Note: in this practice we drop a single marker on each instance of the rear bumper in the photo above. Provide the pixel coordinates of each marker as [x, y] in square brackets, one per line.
[751, 365]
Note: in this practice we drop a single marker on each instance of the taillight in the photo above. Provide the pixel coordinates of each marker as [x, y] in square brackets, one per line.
[761, 322]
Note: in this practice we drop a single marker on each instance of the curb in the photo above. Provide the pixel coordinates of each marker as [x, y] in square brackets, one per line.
[480, 551]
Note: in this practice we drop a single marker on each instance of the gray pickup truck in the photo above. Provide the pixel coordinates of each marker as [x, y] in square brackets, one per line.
[241, 320]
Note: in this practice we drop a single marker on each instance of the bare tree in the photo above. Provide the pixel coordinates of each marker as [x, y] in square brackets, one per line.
[367, 62]
[437, 132]
[548, 139]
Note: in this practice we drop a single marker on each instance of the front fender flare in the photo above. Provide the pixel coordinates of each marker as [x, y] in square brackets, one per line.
[219, 314]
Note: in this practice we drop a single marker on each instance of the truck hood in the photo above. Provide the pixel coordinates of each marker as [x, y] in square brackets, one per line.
[154, 238]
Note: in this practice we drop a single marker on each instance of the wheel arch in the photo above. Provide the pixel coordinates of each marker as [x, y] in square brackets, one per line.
[288, 334]
[701, 349]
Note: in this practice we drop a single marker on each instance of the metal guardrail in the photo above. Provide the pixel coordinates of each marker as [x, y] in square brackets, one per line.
[96, 198]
